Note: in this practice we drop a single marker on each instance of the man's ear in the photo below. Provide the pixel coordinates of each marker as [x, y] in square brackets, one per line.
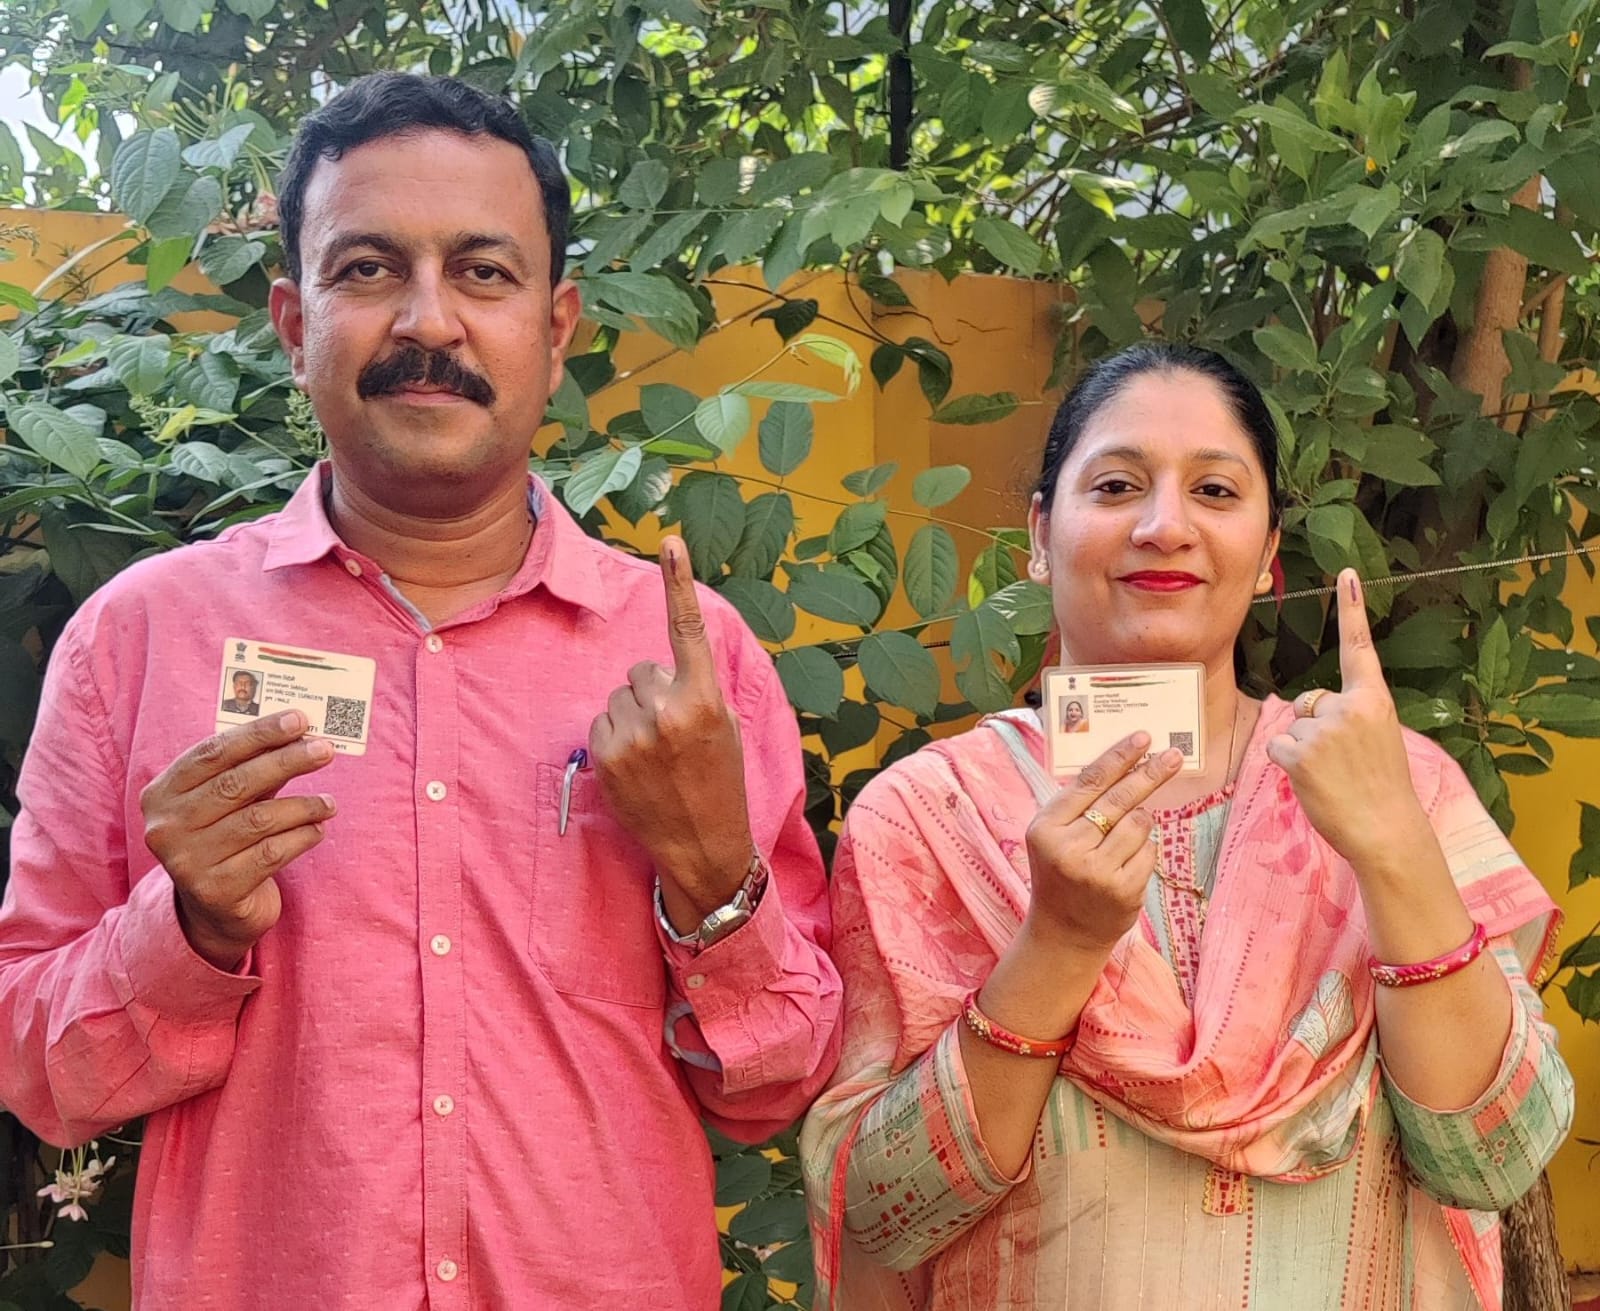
[566, 308]
[288, 318]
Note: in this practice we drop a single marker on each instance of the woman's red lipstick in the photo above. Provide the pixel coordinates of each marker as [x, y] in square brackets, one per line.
[1161, 580]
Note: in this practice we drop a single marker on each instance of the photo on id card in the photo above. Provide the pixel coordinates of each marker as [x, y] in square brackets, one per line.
[1088, 709]
[333, 691]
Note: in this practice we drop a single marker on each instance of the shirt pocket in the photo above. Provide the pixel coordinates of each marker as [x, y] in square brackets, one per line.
[592, 929]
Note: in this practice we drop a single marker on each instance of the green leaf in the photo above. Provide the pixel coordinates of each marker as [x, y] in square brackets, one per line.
[60, 438]
[666, 242]
[166, 260]
[856, 526]
[666, 408]
[976, 635]
[656, 299]
[140, 363]
[184, 212]
[770, 1220]
[812, 679]
[771, 618]
[19, 695]
[645, 184]
[10, 356]
[785, 437]
[712, 517]
[182, 15]
[227, 259]
[1420, 264]
[836, 595]
[602, 472]
[868, 482]
[1542, 240]
[1494, 660]
[932, 569]
[977, 408]
[783, 391]
[768, 522]
[940, 485]
[1560, 710]
[900, 669]
[746, 1292]
[80, 556]
[1375, 209]
[1009, 244]
[219, 152]
[1586, 859]
[202, 461]
[1191, 26]
[143, 171]
[855, 725]
[18, 297]
[1026, 606]
[1289, 125]
[743, 1177]
[723, 420]
[994, 568]
[1286, 347]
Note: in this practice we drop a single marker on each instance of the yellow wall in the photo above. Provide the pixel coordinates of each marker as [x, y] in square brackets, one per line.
[998, 333]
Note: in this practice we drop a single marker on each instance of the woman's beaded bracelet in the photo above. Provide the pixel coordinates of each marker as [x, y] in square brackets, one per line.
[1407, 976]
[1004, 1039]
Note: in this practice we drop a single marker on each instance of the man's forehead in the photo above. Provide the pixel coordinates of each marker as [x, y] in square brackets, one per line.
[377, 187]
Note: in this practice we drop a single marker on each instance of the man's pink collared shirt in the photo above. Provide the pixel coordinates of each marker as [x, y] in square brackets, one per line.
[465, 1069]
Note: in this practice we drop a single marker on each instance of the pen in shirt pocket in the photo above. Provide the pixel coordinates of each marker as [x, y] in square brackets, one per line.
[579, 759]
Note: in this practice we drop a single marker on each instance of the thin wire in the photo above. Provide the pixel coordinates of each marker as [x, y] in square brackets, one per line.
[1395, 580]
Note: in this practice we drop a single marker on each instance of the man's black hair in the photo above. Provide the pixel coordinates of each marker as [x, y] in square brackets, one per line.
[394, 104]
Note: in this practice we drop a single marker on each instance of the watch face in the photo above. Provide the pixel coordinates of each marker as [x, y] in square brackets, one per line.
[725, 919]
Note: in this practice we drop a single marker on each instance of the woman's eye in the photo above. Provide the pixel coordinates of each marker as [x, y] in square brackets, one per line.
[1114, 486]
[1216, 491]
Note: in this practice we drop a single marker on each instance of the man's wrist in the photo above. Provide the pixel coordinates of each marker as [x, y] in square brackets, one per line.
[692, 928]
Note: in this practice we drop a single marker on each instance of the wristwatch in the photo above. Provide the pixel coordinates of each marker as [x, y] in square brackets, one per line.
[726, 918]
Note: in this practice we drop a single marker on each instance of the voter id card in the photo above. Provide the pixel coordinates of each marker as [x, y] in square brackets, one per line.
[333, 691]
[1088, 709]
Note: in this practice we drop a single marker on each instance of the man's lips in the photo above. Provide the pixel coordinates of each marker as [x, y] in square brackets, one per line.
[1161, 580]
[419, 394]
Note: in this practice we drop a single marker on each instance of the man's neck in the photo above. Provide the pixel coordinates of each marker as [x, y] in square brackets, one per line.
[444, 562]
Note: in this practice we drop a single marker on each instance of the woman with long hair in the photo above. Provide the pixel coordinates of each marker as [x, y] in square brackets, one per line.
[1259, 1037]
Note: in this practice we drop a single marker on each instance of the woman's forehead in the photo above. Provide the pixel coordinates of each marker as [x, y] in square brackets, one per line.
[1159, 418]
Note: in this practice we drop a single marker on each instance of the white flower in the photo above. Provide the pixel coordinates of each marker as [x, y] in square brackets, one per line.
[72, 1188]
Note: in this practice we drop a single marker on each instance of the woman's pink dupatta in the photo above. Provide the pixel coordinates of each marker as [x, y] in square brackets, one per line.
[1273, 1072]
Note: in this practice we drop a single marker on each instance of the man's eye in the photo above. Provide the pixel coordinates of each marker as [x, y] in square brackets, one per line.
[365, 268]
[486, 273]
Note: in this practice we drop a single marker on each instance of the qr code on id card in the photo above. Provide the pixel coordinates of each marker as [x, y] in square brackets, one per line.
[345, 717]
[1183, 741]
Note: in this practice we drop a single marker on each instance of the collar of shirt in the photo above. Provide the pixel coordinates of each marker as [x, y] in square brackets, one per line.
[561, 557]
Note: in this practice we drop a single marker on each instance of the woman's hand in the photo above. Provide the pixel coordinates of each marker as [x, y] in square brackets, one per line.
[1089, 882]
[1344, 754]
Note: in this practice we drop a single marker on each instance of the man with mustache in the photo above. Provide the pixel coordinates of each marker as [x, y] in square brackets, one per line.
[474, 989]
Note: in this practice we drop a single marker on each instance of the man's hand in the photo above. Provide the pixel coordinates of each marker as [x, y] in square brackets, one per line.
[668, 758]
[215, 821]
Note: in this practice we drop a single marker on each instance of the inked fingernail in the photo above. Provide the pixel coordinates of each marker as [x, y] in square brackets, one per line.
[291, 721]
[328, 803]
[320, 750]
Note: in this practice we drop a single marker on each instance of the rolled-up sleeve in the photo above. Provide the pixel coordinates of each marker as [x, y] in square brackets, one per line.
[754, 1019]
[1485, 1156]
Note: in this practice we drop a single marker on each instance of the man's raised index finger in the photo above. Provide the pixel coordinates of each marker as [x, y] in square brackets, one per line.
[1359, 665]
[686, 627]
[233, 746]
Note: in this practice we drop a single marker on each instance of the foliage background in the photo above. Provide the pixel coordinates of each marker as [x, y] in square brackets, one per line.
[1386, 212]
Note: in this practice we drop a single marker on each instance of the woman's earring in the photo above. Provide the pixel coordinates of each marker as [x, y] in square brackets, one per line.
[1039, 569]
[1264, 583]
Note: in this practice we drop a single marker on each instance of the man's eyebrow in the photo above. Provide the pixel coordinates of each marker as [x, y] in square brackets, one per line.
[341, 246]
[473, 243]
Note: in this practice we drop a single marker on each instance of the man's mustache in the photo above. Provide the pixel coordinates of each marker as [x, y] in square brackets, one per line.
[412, 364]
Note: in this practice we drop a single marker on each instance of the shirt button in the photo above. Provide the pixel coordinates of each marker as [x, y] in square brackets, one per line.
[434, 643]
[435, 791]
[696, 981]
[443, 1104]
[440, 946]
[448, 1270]
[353, 568]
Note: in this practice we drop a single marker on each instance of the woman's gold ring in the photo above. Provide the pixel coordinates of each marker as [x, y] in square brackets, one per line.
[1099, 820]
[1307, 709]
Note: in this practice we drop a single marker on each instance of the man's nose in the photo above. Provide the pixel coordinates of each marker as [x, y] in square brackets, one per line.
[427, 316]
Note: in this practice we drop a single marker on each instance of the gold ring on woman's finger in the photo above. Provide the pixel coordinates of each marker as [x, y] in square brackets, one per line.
[1099, 820]
[1306, 705]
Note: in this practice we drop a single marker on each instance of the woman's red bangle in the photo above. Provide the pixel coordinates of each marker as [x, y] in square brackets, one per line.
[1052, 1050]
[1408, 976]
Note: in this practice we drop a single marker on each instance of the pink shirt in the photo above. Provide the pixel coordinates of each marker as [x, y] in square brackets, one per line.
[465, 1069]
